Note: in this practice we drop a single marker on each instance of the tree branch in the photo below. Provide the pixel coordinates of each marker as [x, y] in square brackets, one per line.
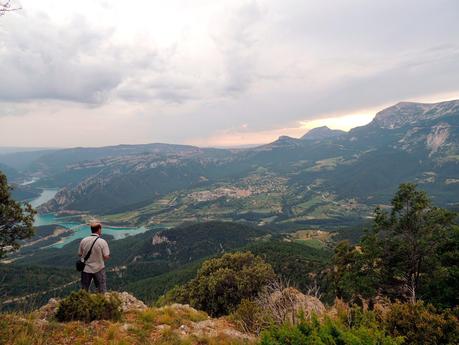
[6, 7]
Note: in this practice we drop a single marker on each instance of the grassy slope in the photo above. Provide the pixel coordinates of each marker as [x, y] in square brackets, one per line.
[158, 326]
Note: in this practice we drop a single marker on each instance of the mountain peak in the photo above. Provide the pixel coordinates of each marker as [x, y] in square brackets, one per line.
[322, 132]
[404, 113]
[285, 138]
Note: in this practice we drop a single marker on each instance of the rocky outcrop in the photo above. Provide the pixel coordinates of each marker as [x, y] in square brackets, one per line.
[159, 239]
[48, 310]
[286, 304]
[128, 303]
[60, 200]
[210, 328]
[406, 113]
[294, 303]
[437, 137]
[176, 323]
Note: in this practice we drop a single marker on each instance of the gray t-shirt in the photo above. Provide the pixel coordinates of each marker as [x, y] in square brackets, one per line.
[96, 261]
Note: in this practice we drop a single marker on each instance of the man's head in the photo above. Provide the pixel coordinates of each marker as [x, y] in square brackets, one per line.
[96, 228]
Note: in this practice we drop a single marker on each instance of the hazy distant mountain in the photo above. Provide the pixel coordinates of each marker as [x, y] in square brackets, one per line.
[22, 160]
[290, 179]
[12, 149]
[59, 161]
[10, 172]
[322, 133]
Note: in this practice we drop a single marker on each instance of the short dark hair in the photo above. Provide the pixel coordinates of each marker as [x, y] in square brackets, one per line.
[95, 227]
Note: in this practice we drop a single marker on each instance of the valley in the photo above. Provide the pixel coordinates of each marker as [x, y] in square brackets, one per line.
[165, 208]
[68, 228]
[321, 180]
[233, 172]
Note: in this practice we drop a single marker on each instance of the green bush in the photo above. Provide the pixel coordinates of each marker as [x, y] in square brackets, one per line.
[178, 294]
[250, 317]
[84, 306]
[327, 332]
[422, 324]
[222, 283]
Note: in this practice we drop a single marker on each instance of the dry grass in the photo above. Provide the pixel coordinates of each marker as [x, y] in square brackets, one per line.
[152, 326]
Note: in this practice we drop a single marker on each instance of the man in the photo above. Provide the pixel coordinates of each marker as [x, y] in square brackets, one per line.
[95, 265]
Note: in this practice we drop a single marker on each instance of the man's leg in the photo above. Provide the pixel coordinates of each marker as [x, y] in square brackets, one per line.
[100, 279]
[86, 280]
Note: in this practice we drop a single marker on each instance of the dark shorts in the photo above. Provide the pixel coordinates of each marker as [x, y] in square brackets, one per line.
[100, 280]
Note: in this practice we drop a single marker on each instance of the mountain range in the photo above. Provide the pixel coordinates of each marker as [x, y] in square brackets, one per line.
[283, 191]
[327, 176]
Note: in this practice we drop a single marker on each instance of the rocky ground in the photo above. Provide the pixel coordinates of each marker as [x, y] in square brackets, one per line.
[140, 324]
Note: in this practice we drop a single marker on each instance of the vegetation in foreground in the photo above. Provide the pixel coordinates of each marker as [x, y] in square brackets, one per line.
[398, 285]
[83, 306]
[162, 326]
[222, 283]
[386, 324]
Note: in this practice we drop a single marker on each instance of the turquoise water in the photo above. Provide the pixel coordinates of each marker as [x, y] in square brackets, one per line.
[80, 230]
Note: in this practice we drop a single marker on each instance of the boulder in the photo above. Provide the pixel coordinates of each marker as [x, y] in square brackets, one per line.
[287, 304]
[128, 302]
[48, 310]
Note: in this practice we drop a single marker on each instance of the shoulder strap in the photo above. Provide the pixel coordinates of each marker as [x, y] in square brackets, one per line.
[90, 250]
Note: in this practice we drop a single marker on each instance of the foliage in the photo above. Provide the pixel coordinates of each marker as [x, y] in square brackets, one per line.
[39, 284]
[84, 306]
[352, 278]
[160, 287]
[293, 261]
[222, 283]
[420, 324]
[6, 6]
[190, 242]
[250, 317]
[402, 252]
[328, 331]
[408, 240]
[440, 287]
[186, 243]
[276, 304]
[172, 315]
[16, 219]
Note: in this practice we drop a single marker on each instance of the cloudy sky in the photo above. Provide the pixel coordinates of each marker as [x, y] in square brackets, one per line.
[217, 72]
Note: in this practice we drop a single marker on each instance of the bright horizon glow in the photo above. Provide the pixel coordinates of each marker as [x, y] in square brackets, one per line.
[344, 123]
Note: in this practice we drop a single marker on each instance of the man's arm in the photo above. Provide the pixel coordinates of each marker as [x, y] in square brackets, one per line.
[105, 251]
[80, 251]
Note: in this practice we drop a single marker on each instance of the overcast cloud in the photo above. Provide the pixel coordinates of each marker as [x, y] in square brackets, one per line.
[90, 73]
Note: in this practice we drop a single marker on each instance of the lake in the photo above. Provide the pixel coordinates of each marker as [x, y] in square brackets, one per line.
[80, 230]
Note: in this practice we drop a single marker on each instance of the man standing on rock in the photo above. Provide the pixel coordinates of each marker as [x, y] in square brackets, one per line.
[95, 264]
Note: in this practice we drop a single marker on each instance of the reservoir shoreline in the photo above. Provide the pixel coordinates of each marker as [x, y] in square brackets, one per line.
[80, 228]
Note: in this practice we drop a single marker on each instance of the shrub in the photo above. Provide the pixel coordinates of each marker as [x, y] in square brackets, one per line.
[421, 324]
[84, 306]
[177, 294]
[329, 331]
[250, 317]
[222, 283]
[276, 304]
